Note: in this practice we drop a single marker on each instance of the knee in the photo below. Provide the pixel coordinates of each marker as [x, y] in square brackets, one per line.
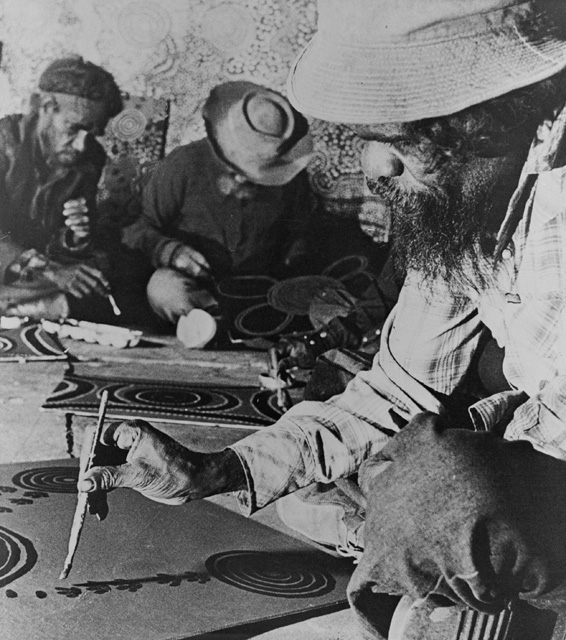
[167, 294]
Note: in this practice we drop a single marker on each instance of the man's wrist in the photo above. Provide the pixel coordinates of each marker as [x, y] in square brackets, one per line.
[220, 472]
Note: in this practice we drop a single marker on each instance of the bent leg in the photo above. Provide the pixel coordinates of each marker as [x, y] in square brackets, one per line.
[172, 294]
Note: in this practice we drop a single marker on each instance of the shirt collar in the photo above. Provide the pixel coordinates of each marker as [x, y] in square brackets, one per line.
[548, 149]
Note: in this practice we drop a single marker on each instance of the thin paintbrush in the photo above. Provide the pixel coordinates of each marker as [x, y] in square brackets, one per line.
[82, 499]
[115, 307]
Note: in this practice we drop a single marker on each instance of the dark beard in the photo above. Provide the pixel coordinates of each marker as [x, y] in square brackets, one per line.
[438, 232]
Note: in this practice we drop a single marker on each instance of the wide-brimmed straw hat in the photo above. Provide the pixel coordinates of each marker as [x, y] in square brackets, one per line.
[379, 61]
[257, 132]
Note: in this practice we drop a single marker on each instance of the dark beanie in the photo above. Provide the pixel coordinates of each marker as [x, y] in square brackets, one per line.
[76, 77]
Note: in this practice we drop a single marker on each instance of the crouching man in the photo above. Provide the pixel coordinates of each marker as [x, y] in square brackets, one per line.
[50, 165]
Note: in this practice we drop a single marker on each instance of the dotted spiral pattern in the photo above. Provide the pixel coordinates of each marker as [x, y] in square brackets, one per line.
[17, 556]
[270, 574]
[129, 125]
[49, 479]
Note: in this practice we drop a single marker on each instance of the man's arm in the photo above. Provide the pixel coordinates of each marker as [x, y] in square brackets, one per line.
[323, 441]
[160, 468]
[162, 201]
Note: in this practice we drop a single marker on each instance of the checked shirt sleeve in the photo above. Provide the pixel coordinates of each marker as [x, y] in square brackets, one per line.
[323, 441]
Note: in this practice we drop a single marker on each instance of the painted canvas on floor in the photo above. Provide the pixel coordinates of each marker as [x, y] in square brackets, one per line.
[149, 571]
[160, 401]
[31, 342]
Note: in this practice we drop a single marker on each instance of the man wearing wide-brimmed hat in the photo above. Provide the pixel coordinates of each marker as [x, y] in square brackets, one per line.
[461, 105]
[233, 203]
[50, 166]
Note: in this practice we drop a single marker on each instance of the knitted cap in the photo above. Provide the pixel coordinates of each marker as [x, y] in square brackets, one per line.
[74, 76]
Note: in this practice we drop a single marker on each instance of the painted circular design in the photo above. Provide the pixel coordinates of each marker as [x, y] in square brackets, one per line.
[49, 479]
[178, 399]
[227, 26]
[69, 390]
[262, 320]
[6, 345]
[265, 403]
[295, 295]
[129, 125]
[271, 574]
[17, 556]
[144, 24]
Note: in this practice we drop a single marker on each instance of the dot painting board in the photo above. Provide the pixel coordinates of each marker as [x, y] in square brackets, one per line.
[165, 401]
[149, 571]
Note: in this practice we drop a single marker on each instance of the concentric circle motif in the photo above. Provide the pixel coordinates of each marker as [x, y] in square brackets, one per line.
[179, 399]
[265, 402]
[17, 556]
[262, 320]
[69, 391]
[271, 574]
[6, 344]
[129, 125]
[227, 26]
[295, 295]
[144, 24]
[49, 479]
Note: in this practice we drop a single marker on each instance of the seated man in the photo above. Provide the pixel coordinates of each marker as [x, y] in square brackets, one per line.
[234, 203]
[462, 110]
[50, 165]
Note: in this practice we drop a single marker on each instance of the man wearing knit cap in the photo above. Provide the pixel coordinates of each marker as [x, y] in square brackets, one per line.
[234, 203]
[50, 165]
[461, 107]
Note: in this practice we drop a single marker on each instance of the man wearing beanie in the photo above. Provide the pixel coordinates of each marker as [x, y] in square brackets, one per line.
[234, 203]
[50, 165]
[451, 497]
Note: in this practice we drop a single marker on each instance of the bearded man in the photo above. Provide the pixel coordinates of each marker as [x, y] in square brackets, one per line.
[462, 109]
[50, 165]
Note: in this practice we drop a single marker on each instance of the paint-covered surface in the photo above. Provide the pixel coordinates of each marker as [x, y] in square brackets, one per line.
[149, 571]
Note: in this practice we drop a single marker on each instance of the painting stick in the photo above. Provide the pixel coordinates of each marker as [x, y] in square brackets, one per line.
[82, 500]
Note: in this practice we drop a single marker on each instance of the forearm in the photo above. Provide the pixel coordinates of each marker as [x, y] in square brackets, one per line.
[323, 441]
[314, 442]
[151, 241]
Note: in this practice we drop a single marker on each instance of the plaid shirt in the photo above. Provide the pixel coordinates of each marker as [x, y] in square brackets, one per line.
[428, 343]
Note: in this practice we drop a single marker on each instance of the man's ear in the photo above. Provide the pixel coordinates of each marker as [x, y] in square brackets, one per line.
[46, 102]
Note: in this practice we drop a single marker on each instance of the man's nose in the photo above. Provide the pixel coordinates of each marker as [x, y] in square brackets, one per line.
[79, 142]
[380, 161]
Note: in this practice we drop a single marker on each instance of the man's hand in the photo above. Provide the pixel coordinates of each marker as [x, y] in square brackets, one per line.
[190, 261]
[159, 467]
[77, 219]
[295, 352]
[79, 280]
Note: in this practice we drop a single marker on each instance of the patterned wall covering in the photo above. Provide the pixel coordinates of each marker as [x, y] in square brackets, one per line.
[178, 50]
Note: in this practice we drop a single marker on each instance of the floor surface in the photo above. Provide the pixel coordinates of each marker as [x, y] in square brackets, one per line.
[28, 434]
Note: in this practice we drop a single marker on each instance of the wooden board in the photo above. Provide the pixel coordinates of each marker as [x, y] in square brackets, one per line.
[149, 571]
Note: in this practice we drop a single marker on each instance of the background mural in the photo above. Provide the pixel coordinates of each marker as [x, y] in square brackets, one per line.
[174, 52]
